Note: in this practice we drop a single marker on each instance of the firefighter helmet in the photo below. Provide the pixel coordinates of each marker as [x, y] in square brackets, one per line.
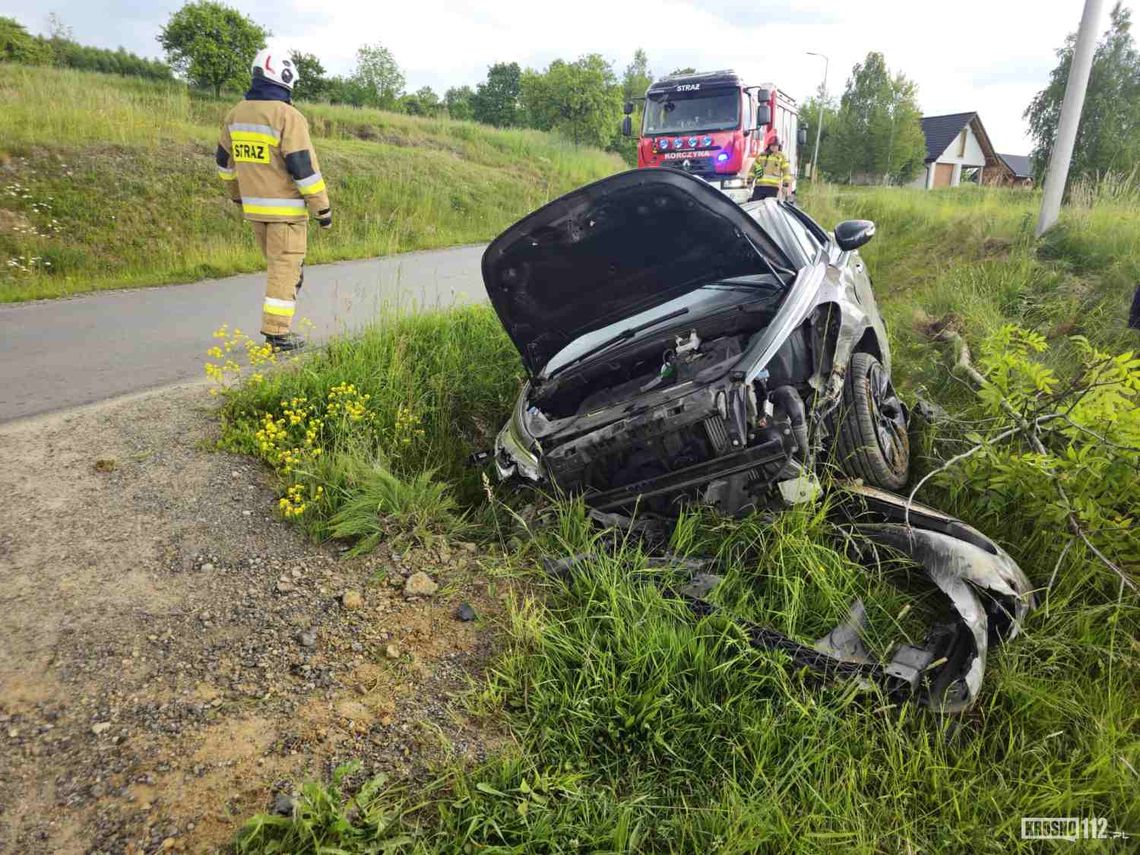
[276, 67]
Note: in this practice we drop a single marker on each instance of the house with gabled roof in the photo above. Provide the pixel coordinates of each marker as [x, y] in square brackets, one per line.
[1017, 171]
[957, 148]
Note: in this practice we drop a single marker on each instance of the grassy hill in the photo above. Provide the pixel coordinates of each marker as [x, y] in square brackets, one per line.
[108, 182]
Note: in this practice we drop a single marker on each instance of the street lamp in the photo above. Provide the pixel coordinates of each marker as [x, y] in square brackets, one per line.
[819, 123]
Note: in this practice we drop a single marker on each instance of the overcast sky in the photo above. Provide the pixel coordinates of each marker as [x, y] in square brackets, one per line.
[984, 55]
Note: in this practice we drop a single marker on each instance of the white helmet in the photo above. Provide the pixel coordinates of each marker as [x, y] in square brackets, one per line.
[275, 66]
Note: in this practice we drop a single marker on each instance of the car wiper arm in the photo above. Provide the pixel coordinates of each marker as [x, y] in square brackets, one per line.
[617, 339]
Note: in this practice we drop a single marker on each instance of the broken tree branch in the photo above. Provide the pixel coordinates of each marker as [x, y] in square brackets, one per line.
[964, 366]
[957, 458]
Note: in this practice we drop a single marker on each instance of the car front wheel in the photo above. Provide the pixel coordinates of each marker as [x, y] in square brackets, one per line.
[871, 439]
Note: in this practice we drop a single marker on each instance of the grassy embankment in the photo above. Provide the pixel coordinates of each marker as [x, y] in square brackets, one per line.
[109, 182]
[638, 730]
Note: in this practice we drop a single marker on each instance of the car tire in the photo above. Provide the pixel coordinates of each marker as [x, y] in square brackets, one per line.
[870, 432]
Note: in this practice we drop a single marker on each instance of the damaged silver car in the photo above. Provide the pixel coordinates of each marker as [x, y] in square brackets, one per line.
[684, 349]
[681, 347]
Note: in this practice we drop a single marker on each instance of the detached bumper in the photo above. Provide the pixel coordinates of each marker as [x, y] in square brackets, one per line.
[989, 595]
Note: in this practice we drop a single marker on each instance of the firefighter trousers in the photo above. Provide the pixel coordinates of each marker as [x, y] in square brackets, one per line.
[283, 245]
[764, 191]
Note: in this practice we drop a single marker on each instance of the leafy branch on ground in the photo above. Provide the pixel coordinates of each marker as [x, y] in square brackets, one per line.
[1066, 453]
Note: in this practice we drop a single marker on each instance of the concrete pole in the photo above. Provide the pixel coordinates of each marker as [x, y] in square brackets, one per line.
[1058, 171]
[819, 122]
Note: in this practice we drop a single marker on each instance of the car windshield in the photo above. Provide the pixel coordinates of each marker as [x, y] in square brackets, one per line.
[761, 287]
[788, 232]
[715, 110]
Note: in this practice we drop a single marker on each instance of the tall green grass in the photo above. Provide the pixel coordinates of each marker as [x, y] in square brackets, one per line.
[110, 182]
[439, 386]
[639, 729]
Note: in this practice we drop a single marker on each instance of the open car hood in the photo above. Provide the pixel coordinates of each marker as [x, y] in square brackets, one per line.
[612, 249]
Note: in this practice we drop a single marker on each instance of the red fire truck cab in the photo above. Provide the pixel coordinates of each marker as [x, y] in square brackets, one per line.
[714, 125]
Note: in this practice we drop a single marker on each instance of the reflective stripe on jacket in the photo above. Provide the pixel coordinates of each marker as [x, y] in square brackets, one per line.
[772, 170]
[268, 163]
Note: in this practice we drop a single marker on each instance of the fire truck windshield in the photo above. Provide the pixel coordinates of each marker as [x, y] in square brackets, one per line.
[677, 112]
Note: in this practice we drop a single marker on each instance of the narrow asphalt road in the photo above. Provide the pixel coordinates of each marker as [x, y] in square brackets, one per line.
[57, 354]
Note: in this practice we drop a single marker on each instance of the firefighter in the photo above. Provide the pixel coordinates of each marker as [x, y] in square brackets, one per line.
[267, 161]
[771, 173]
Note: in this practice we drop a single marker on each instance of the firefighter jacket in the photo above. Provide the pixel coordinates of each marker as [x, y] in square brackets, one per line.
[772, 170]
[267, 161]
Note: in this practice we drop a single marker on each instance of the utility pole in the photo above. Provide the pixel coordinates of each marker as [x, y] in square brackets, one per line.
[819, 122]
[1058, 171]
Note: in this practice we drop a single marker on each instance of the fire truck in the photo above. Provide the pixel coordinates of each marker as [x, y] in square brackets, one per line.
[714, 125]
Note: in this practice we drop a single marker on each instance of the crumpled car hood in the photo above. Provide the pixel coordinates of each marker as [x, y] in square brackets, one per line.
[614, 248]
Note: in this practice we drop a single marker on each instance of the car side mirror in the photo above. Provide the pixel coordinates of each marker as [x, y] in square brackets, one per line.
[763, 115]
[801, 136]
[852, 234]
[627, 107]
[627, 126]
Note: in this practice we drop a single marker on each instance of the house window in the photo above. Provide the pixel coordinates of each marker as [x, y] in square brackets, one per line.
[962, 143]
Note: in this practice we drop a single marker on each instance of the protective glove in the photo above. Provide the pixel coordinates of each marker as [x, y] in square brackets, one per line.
[324, 218]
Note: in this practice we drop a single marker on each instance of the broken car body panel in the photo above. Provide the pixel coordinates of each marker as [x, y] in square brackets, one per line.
[988, 593]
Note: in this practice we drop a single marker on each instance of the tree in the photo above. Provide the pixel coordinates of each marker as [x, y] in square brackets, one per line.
[58, 30]
[378, 74]
[637, 77]
[311, 85]
[458, 100]
[634, 81]
[348, 90]
[580, 100]
[74, 55]
[877, 133]
[212, 44]
[1108, 137]
[686, 70]
[422, 102]
[496, 99]
[17, 45]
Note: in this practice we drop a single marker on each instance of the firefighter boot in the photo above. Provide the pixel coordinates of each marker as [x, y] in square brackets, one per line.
[285, 343]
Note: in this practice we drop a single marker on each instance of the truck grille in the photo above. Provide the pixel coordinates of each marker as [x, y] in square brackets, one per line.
[705, 167]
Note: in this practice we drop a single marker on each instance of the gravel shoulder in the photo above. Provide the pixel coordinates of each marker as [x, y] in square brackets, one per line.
[173, 655]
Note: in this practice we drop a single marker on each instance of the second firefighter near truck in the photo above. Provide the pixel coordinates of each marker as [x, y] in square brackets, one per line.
[772, 172]
[266, 159]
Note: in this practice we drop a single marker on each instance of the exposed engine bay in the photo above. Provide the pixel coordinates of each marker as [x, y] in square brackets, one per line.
[670, 411]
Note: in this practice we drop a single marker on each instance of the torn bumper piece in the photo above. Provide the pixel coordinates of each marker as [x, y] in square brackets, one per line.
[988, 595]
